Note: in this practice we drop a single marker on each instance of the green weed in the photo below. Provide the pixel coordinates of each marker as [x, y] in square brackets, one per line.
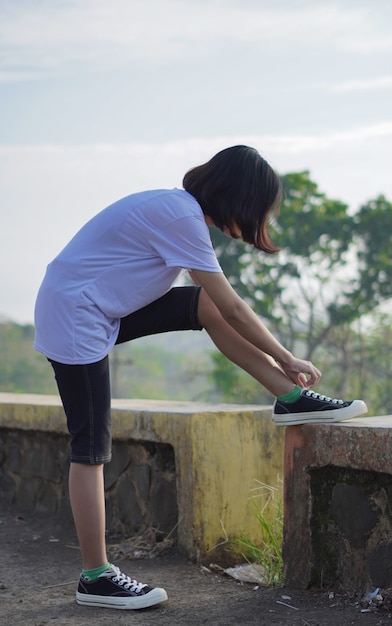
[267, 506]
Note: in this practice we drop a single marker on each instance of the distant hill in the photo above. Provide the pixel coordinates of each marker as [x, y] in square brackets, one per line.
[171, 366]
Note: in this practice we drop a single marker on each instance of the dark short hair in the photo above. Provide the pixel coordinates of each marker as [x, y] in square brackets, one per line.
[237, 186]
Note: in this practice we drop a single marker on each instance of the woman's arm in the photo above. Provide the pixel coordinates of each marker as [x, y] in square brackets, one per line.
[241, 317]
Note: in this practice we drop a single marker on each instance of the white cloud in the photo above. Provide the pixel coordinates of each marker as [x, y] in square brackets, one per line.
[51, 35]
[17, 76]
[325, 141]
[365, 84]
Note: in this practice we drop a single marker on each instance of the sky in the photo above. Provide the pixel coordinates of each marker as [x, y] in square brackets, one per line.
[102, 98]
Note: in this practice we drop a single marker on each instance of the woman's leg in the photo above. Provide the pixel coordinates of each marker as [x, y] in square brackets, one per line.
[184, 308]
[258, 364]
[85, 393]
[86, 491]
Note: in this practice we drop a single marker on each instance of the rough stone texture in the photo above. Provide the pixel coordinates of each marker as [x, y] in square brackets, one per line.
[345, 499]
[34, 476]
[338, 516]
[351, 520]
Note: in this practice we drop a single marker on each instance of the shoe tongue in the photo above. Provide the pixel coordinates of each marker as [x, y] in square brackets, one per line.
[112, 570]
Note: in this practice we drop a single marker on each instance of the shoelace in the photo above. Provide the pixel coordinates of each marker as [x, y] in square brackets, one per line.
[317, 396]
[125, 581]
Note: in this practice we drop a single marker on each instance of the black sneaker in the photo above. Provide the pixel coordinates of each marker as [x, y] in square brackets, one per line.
[312, 408]
[115, 590]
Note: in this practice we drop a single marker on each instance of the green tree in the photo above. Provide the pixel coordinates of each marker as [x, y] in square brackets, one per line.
[376, 366]
[299, 290]
[332, 270]
[231, 384]
[356, 361]
[373, 237]
[21, 368]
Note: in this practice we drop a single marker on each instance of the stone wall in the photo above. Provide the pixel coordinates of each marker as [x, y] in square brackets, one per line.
[140, 483]
[34, 470]
[351, 527]
[183, 466]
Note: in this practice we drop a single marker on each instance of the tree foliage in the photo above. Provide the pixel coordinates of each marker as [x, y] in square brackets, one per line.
[333, 269]
[302, 290]
[373, 237]
[21, 369]
[152, 372]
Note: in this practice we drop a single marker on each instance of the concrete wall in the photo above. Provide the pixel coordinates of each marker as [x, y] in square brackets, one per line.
[338, 505]
[194, 464]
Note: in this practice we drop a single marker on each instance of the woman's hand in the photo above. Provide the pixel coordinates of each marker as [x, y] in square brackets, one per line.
[302, 373]
[247, 324]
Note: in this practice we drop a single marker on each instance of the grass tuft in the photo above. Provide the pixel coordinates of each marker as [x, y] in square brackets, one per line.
[267, 506]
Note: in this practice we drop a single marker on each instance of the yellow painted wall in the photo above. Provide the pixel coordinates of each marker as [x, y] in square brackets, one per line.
[221, 451]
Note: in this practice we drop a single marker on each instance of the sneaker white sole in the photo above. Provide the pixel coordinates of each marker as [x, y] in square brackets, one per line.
[153, 597]
[356, 408]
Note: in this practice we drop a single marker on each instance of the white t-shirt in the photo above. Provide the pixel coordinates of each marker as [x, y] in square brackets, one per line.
[125, 257]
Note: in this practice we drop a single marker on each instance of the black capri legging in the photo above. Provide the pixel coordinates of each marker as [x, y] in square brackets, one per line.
[85, 389]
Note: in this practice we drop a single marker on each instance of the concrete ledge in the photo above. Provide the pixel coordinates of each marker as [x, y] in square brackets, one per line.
[338, 503]
[220, 451]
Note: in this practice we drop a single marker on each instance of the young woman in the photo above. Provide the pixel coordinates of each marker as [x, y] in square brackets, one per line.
[113, 283]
